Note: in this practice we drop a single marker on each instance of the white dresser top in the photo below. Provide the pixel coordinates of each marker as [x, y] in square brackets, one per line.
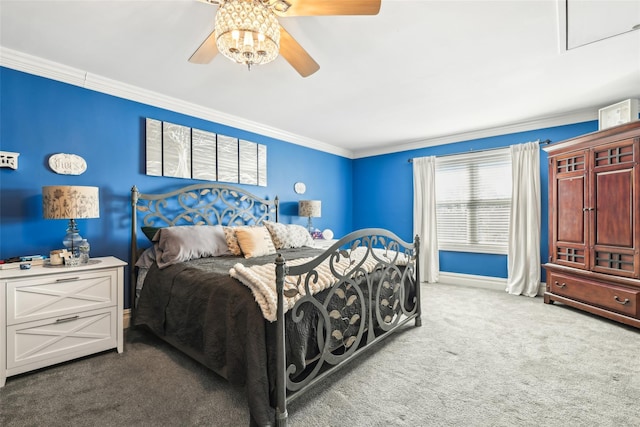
[36, 270]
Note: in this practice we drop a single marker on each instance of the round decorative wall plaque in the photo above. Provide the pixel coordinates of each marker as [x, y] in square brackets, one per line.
[299, 187]
[67, 164]
[327, 234]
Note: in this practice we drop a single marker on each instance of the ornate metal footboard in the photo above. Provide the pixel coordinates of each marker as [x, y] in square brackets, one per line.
[376, 290]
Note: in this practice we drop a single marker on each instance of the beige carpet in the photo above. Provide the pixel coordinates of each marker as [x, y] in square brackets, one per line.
[481, 358]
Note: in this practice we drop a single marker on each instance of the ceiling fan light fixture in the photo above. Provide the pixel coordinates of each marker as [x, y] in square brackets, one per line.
[247, 32]
[280, 5]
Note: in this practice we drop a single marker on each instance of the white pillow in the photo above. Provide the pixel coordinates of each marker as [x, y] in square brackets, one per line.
[279, 234]
[299, 236]
[185, 242]
[288, 236]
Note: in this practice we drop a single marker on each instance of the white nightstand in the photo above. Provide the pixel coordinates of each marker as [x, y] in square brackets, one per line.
[323, 243]
[55, 314]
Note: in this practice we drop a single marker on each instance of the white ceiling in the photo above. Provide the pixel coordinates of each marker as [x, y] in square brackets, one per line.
[419, 73]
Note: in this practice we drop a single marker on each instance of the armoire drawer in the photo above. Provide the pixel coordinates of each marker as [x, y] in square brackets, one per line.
[614, 298]
[60, 294]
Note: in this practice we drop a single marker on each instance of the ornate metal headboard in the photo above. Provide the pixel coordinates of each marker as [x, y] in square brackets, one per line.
[197, 204]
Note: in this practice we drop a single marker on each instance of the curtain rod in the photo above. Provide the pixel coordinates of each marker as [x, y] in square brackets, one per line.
[546, 141]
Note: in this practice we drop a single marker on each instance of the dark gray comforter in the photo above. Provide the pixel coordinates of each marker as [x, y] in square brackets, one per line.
[200, 309]
[197, 307]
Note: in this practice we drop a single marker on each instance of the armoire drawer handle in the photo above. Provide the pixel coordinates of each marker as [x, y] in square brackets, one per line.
[626, 300]
[560, 285]
[68, 319]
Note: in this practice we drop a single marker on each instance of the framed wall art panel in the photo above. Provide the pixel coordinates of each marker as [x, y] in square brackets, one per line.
[227, 159]
[204, 155]
[248, 155]
[176, 150]
[262, 165]
[154, 147]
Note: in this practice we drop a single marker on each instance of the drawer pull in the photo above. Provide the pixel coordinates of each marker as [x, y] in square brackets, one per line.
[68, 279]
[626, 300]
[560, 285]
[68, 319]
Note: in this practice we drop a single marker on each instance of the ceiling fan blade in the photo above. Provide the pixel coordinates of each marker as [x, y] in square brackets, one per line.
[329, 7]
[206, 51]
[295, 54]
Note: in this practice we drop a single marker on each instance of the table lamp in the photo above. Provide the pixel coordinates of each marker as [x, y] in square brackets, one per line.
[310, 209]
[70, 202]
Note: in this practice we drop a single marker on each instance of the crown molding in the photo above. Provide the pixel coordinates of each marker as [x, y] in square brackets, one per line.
[40, 67]
[55, 71]
[578, 116]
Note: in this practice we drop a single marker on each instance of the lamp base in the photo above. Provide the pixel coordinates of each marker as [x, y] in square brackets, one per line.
[72, 239]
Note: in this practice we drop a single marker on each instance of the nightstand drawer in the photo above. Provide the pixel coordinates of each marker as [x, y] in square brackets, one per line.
[56, 295]
[615, 298]
[61, 338]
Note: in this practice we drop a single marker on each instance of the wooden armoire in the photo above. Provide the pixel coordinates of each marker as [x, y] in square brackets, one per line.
[594, 223]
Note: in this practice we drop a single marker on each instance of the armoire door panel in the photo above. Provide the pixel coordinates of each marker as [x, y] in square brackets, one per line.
[613, 260]
[614, 208]
[570, 164]
[570, 210]
[618, 153]
[571, 255]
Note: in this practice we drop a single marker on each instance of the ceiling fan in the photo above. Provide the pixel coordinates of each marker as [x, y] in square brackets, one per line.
[248, 31]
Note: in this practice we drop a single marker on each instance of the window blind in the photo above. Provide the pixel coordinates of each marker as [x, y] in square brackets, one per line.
[473, 200]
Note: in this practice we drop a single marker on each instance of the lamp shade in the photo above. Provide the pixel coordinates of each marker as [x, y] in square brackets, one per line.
[310, 208]
[70, 202]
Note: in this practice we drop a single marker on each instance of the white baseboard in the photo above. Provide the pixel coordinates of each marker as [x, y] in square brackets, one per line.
[485, 282]
[126, 317]
[542, 289]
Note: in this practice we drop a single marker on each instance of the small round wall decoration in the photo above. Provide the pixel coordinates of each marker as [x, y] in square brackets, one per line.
[67, 164]
[299, 187]
[327, 234]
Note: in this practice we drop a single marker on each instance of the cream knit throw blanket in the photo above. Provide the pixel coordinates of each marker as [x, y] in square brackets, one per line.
[261, 279]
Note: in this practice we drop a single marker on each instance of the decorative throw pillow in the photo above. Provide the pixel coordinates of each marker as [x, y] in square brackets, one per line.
[279, 234]
[232, 240]
[288, 236]
[182, 243]
[299, 236]
[255, 241]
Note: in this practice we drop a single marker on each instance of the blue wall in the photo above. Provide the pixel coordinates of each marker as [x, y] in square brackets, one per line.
[40, 117]
[383, 193]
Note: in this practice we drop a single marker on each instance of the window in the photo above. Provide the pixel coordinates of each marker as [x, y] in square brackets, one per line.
[473, 201]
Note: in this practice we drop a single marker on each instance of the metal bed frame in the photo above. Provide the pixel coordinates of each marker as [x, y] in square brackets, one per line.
[384, 296]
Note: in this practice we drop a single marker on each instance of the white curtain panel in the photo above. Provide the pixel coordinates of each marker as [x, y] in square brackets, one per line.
[424, 216]
[524, 225]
